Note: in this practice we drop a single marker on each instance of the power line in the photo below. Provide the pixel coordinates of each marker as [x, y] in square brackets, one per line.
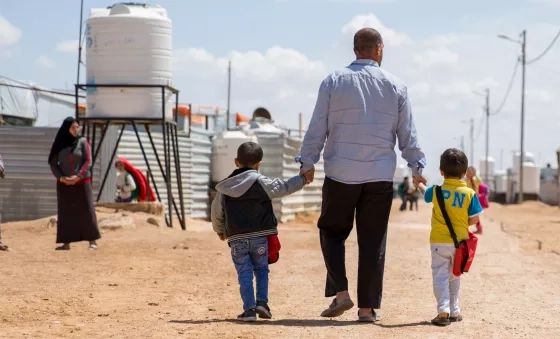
[508, 91]
[546, 50]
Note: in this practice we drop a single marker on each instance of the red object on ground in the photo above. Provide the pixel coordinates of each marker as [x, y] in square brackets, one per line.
[273, 248]
[146, 193]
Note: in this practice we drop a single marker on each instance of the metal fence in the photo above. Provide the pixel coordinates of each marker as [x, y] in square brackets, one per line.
[278, 162]
[29, 189]
[194, 154]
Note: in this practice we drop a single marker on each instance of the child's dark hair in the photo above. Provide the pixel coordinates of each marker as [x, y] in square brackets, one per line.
[249, 154]
[453, 163]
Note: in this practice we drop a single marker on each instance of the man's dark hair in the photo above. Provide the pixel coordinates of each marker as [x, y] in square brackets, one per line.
[249, 154]
[262, 112]
[367, 39]
[453, 163]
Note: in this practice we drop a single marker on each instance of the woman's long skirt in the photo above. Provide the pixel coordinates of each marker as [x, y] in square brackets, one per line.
[77, 220]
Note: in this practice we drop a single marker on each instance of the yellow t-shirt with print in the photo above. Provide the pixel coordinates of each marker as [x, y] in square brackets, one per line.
[461, 203]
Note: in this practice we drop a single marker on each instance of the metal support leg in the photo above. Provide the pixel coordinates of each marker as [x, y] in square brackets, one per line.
[103, 132]
[161, 168]
[167, 171]
[148, 164]
[175, 140]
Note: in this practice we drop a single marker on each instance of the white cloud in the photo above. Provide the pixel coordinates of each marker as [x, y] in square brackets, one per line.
[541, 95]
[282, 79]
[275, 65]
[9, 37]
[436, 56]
[486, 83]
[43, 61]
[68, 46]
[9, 33]
[390, 36]
[442, 40]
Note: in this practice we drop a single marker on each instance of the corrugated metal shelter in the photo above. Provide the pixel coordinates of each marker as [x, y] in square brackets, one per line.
[195, 155]
[279, 162]
[29, 189]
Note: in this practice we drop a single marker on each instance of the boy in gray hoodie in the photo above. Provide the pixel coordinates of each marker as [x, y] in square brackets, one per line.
[242, 213]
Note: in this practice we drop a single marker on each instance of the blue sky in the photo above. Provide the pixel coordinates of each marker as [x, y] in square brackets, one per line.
[441, 49]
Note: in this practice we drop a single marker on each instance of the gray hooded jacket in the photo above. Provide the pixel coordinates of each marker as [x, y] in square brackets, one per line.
[242, 209]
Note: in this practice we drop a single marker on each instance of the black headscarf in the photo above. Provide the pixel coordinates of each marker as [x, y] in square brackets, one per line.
[63, 138]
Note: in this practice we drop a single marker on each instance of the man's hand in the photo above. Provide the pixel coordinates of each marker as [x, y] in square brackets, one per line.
[221, 236]
[309, 175]
[419, 179]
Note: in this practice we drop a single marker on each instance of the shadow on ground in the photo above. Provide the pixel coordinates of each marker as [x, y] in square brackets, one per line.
[298, 323]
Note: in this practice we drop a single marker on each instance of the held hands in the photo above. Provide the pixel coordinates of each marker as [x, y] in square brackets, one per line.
[309, 175]
[419, 180]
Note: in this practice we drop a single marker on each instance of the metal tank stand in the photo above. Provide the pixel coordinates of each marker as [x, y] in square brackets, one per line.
[170, 144]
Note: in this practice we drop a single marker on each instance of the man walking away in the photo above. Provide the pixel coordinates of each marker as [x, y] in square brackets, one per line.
[363, 109]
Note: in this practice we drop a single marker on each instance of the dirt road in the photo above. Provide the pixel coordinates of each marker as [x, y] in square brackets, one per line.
[154, 282]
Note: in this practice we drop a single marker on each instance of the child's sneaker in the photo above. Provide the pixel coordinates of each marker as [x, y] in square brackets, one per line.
[441, 321]
[456, 319]
[263, 310]
[249, 315]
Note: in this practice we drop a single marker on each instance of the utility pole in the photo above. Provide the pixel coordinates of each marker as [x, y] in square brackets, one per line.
[228, 96]
[522, 148]
[486, 174]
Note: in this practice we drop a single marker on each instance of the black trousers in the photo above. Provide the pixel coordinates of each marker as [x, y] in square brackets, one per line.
[371, 204]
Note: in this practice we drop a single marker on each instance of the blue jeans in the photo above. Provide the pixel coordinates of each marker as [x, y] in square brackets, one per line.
[250, 256]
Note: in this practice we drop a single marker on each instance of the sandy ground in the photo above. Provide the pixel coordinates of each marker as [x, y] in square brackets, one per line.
[152, 282]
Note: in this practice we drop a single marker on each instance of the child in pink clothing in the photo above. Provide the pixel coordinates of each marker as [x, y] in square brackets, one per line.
[483, 194]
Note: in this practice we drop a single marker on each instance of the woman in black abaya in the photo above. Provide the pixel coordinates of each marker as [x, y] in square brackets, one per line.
[70, 162]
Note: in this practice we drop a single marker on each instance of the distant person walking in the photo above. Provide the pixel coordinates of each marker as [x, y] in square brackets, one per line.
[70, 162]
[413, 196]
[402, 192]
[3, 247]
[363, 110]
[473, 182]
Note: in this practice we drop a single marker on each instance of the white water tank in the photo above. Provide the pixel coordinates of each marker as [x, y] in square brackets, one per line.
[400, 172]
[500, 177]
[531, 178]
[529, 158]
[224, 152]
[128, 44]
[482, 169]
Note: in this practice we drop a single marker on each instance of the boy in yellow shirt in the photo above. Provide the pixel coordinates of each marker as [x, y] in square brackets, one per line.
[463, 208]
